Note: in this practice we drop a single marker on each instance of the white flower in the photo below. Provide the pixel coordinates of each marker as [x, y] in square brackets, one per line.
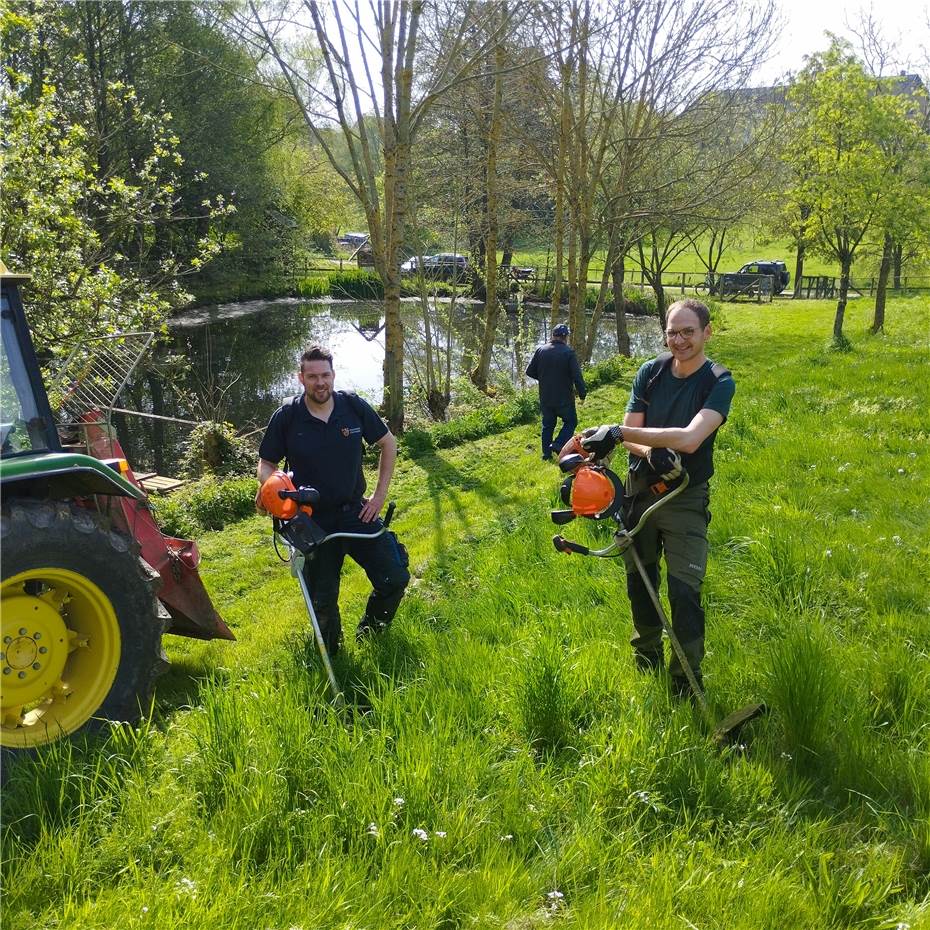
[185, 886]
[440, 833]
[506, 837]
[555, 895]
[398, 802]
[828, 553]
[900, 472]
[373, 829]
[896, 540]
[420, 834]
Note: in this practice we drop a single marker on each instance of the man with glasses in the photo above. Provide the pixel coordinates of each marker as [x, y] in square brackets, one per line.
[678, 402]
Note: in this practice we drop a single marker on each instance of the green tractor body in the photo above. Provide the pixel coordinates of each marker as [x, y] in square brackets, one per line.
[89, 583]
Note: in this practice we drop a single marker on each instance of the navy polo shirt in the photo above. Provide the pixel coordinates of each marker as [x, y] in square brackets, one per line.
[324, 455]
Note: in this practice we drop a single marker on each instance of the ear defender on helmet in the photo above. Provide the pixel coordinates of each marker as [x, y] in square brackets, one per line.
[592, 491]
[282, 508]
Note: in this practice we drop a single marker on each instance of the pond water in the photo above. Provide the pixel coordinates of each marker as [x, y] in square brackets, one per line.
[237, 362]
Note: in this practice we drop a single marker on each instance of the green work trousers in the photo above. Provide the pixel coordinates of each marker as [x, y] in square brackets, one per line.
[679, 529]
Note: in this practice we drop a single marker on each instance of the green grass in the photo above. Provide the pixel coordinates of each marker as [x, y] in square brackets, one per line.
[501, 746]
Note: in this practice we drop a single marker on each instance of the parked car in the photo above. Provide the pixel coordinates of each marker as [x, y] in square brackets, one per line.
[446, 266]
[776, 268]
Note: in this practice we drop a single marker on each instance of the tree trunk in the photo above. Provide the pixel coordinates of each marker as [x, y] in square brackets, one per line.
[878, 319]
[623, 336]
[838, 336]
[897, 259]
[798, 270]
[491, 306]
[659, 290]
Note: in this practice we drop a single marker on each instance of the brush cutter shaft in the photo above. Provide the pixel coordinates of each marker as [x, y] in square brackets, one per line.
[297, 570]
[673, 639]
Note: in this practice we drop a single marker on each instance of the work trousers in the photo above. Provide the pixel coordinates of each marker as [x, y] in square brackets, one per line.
[383, 559]
[679, 529]
[550, 413]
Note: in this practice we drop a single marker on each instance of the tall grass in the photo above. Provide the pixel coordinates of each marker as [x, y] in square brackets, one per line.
[502, 763]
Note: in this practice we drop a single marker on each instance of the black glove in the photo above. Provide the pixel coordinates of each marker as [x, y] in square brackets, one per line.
[666, 463]
[600, 440]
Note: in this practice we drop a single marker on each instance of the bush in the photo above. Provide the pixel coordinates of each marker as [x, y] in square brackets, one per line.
[314, 287]
[215, 449]
[207, 504]
[356, 284]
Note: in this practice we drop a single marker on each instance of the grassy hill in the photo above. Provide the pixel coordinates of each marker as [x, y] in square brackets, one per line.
[504, 765]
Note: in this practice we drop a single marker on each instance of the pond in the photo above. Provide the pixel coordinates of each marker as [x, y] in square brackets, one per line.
[237, 362]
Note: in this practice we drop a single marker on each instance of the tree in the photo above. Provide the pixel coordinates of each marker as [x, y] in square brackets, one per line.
[844, 171]
[92, 237]
[333, 88]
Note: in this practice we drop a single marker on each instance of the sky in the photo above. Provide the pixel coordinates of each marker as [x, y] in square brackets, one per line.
[803, 22]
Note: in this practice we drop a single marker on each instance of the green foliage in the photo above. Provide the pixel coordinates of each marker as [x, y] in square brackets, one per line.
[314, 286]
[355, 284]
[544, 698]
[214, 449]
[207, 504]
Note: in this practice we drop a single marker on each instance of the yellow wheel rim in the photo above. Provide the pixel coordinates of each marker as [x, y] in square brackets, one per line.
[59, 652]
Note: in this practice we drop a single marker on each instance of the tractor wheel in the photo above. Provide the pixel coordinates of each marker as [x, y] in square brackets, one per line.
[81, 632]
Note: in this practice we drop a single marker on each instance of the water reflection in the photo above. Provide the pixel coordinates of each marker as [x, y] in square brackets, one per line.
[242, 358]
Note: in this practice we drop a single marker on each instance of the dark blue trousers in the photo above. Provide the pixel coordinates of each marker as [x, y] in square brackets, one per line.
[550, 413]
[383, 559]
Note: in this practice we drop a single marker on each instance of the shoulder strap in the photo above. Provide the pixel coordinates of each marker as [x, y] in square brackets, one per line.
[659, 364]
[355, 402]
[712, 375]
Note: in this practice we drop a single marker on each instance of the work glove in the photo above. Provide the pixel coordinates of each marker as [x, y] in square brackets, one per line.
[666, 463]
[601, 440]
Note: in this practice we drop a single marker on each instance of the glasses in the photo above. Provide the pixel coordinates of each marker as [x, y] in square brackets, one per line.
[685, 333]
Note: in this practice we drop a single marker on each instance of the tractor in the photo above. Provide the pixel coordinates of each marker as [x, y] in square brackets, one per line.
[89, 582]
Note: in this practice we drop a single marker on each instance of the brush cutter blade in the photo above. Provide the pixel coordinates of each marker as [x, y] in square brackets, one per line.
[728, 730]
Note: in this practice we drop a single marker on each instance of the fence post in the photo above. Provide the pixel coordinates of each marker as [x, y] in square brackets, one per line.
[682, 284]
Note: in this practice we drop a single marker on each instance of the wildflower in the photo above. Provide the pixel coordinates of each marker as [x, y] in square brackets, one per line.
[642, 795]
[145, 910]
[373, 830]
[398, 802]
[555, 898]
[420, 834]
[896, 540]
[441, 834]
[900, 471]
[844, 466]
[786, 755]
[828, 553]
[506, 837]
[902, 926]
[185, 886]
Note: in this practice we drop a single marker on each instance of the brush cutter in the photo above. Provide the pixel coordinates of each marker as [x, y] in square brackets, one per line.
[291, 509]
[592, 490]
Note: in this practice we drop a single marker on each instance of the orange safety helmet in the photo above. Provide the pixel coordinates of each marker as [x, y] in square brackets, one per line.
[593, 491]
[283, 509]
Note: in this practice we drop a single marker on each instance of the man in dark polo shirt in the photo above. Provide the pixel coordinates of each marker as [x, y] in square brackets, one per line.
[320, 433]
[555, 366]
[678, 402]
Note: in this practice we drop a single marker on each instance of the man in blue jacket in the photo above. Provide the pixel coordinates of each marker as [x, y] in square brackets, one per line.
[555, 366]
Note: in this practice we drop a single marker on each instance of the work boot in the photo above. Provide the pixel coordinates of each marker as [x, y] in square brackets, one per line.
[681, 687]
[369, 626]
[650, 661]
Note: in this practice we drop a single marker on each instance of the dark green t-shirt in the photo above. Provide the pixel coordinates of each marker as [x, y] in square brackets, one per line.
[674, 402]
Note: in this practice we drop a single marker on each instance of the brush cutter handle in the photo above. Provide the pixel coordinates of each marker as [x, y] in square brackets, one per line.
[568, 547]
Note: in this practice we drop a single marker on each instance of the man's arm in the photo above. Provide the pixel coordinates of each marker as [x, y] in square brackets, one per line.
[634, 421]
[388, 446]
[680, 438]
[263, 473]
[578, 378]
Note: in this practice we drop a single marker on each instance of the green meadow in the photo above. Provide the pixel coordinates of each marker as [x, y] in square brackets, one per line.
[502, 763]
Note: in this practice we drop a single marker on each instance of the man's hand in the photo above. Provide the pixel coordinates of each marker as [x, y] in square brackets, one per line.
[601, 440]
[371, 509]
[258, 501]
[666, 463]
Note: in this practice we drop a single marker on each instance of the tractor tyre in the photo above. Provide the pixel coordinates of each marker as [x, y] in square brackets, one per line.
[81, 629]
